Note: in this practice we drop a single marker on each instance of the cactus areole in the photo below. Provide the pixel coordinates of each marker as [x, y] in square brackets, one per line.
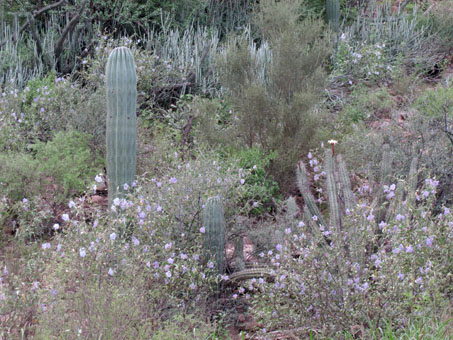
[121, 132]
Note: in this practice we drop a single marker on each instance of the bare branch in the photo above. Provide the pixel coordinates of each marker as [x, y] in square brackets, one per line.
[69, 27]
[34, 16]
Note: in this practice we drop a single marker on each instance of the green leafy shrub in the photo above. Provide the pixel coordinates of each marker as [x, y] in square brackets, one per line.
[273, 88]
[19, 175]
[68, 162]
[367, 105]
[262, 191]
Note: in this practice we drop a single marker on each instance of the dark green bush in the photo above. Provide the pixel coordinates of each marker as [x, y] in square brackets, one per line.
[274, 88]
[68, 162]
[261, 190]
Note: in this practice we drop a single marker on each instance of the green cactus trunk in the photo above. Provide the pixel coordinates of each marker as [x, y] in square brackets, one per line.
[304, 187]
[332, 191]
[214, 237]
[121, 86]
[333, 14]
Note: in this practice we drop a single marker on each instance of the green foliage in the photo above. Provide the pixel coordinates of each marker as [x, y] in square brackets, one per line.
[361, 61]
[67, 162]
[262, 192]
[18, 176]
[273, 88]
[35, 88]
[366, 104]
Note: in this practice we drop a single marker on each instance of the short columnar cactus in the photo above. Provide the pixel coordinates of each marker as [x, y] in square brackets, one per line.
[214, 237]
[121, 86]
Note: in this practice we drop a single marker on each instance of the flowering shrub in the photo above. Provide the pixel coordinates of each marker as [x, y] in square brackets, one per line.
[146, 249]
[362, 61]
[364, 275]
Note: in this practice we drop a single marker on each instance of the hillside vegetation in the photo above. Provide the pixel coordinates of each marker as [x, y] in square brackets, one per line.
[287, 169]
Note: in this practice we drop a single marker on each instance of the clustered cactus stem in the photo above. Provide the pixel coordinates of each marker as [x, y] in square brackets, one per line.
[121, 88]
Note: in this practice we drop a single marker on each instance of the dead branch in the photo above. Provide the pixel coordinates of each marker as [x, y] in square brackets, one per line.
[34, 16]
[69, 28]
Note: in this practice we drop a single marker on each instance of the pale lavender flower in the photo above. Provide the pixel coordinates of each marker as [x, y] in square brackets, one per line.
[279, 247]
[168, 246]
[135, 241]
[71, 204]
[202, 230]
[111, 272]
[409, 249]
[98, 179]
[382, 224]
[210, 264]
[113, 236]
[65, 217]
[173, 180]
[45, 245]
[82, 252]
[168, 274]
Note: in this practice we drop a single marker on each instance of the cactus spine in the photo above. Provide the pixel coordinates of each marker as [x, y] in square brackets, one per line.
[121, 87]
[333, 14]
[214, 237]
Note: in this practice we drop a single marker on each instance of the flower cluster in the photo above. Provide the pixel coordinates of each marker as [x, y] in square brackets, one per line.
[391, 268]
[361, 61]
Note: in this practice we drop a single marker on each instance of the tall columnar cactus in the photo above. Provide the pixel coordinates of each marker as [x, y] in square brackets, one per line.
[121, 86]
[214, 236]
[333, 14]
